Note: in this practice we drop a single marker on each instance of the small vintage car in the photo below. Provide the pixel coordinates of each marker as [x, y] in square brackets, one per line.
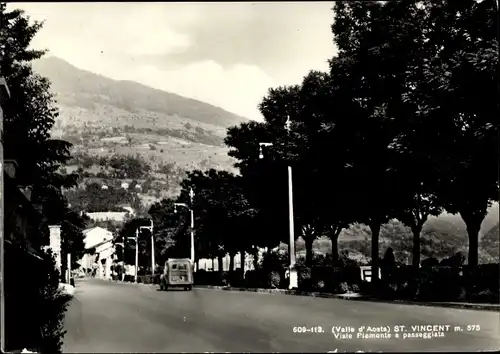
[178, 272]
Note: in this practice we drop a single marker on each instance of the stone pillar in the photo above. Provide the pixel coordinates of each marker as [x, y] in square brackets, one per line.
[55, 243]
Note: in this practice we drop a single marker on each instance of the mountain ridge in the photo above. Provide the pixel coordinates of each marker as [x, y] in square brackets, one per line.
[65, 77]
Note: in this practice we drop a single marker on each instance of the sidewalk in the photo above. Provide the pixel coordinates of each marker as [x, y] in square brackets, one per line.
[361, 297]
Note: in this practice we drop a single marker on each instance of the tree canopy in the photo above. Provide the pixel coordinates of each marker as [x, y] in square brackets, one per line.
[29, 116]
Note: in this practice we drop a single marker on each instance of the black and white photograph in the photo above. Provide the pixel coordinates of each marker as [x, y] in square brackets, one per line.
[250, 177]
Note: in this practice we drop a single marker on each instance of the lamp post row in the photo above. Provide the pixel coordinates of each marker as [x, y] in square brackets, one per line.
[292, 270]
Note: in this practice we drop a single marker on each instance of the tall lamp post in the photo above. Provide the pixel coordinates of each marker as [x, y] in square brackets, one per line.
[293, 271]
[150, 228]
[190, 207]
[136, 255]
[122, 244]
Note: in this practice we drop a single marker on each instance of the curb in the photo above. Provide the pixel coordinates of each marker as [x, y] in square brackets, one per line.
[351, 297]
[357, 297]
[131, 283]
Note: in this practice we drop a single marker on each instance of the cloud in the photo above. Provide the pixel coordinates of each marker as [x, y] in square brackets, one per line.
[225, 54]
[238, 89]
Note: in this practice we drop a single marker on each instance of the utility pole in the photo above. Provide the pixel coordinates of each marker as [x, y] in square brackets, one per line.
[293, 272]
[190, 207]
[153, 263]
[136, 254]
[150, 228]
[69, 268]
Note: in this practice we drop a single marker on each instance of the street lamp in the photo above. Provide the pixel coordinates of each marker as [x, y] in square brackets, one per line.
[293, 272]
[190, 207]
[123, 257]
[136, 254]
[136, 238]
[150, 228]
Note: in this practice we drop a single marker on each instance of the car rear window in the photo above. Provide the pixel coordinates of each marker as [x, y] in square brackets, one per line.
[179, 266]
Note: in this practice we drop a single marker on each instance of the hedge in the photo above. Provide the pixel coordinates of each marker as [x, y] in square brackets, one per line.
[431, 283]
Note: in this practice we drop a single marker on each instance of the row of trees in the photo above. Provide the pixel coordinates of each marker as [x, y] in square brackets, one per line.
[122, 166]
[29, 116]
[402, 126]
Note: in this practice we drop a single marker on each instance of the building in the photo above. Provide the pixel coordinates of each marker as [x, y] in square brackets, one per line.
[96, 235]
[100, 241]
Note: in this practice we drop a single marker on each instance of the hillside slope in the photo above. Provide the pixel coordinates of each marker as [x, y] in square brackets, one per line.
[98, 114]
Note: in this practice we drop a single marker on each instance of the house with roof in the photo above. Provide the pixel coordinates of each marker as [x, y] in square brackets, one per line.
[100, 251]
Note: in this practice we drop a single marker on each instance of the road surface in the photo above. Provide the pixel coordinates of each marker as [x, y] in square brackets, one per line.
[108, 317]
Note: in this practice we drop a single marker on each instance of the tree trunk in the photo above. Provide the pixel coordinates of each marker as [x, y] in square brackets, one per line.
[416, 230]
[242, 263]
[231, 261]
[375, 229]
[220, 261]
[309, 239]
[255, 258]
[334, 238]
[473, 222]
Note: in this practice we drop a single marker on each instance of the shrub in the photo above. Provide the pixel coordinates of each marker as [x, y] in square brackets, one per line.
[200, 277]
[483, 279]
[325, 278]
[235, 278]
[319, 285]
[274, 279]
[149, 279]
[304, 279]
[129, 278]
[355, 288]
[252, 279]
[53, 306]
[273, 261]
[439, 283]
[351, 273]
[430, 262]
[342, 288]
[255, 279]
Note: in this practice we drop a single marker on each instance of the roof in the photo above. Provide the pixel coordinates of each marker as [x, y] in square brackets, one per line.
[101, 243]
[172, 260]
[86, 231]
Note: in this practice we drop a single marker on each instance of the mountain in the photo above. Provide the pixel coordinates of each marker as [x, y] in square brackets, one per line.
[99, 114]
[80, 88]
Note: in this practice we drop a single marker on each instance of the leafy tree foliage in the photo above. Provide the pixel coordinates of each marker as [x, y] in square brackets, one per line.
[96, 199]
[28, 119]
[221, 209]
[167, 226]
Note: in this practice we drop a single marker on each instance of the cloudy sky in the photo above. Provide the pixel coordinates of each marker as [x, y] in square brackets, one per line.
[226, 54]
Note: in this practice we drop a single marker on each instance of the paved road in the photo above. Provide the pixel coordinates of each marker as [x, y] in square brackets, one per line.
[109, 317]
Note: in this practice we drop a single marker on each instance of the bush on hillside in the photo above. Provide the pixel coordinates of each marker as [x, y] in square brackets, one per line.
[53, 307]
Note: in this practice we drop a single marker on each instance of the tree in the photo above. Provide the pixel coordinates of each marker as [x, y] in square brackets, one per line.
[490, 245]
[433, 58]
[29, 116]
[126, 245]
[166, 228]
[462, 79]
[363, 81]
[219, 207]
[28, 120]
